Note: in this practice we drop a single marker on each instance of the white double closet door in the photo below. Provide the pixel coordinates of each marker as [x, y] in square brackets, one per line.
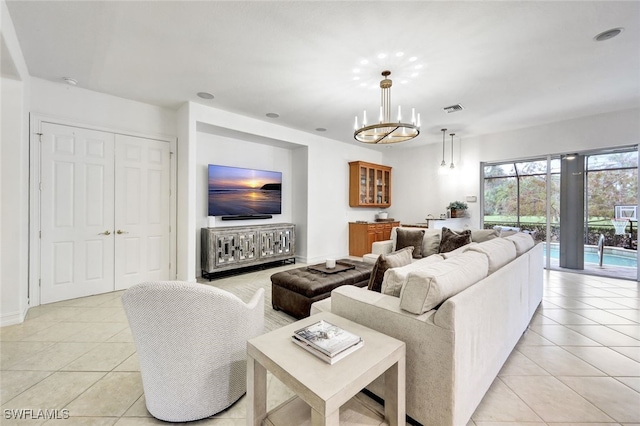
[104, 212]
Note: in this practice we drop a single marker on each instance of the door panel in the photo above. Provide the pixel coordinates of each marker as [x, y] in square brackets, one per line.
[76, 210]
[142, 246]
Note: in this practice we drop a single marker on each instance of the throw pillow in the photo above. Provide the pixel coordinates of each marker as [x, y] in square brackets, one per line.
[410, 238]
[452, 240]
[386, 261]
[482, 235]
[431, 242]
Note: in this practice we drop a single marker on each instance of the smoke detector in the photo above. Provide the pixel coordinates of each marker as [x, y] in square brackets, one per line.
[453, 108]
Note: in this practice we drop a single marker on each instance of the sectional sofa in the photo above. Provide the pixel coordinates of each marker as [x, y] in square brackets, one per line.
[460, 313]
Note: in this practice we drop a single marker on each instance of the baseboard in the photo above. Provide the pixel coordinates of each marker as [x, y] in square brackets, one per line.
[12, 318]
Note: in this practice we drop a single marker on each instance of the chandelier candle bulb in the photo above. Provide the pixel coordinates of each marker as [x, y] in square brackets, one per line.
[418, 123]
[364, 119]
[399, 115]
[381, 116]
[413, 116]
[355, 126]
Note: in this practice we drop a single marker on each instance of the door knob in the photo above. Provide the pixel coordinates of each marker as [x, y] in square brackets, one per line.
[107, 232]
[120, 231]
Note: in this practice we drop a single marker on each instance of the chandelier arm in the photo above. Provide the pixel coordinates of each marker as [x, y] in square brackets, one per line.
[384, 136]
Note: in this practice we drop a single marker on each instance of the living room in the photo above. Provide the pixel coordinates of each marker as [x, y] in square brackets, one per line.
[315, 167]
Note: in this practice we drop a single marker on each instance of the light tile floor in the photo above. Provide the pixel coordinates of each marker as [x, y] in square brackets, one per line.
[579, 363]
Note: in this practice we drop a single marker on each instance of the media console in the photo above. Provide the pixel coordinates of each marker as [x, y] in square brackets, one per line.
[233, 247]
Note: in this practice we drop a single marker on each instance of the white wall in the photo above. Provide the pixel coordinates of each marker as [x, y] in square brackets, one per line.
[420, 189]
[97, 110]
[14, 178]
[214, 149]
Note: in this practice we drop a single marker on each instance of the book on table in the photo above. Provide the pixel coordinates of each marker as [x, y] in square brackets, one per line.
[327, 341]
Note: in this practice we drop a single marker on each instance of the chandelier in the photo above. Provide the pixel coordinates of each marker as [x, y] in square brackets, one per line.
[386, 131]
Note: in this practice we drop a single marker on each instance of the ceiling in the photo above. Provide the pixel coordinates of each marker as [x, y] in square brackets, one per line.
[510, 64]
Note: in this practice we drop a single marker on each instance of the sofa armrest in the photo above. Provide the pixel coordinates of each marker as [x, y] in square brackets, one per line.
[430, 349]
[382, 247]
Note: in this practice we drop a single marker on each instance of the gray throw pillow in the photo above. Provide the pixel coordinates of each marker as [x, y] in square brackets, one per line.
[452, 240]
[410, 238]
[386, 261]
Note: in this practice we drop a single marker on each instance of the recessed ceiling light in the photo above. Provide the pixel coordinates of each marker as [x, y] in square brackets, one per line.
[413, 59]
[205, 95]
[418, 66]
[609, 34]
[404, 81]
[382, 56]
[364, 62]
[272, 115]
[363, 84]
[320, 129]
[356, 78]
[415, 74]
[400, 54]
[71, 81]
[356, 70]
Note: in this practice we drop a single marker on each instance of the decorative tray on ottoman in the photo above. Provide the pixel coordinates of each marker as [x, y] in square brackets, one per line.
[340, 266]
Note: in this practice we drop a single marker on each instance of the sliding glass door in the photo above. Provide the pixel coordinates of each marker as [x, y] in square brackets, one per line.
[581, 206]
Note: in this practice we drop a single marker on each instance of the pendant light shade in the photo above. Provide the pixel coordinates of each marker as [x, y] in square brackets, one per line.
[452, 135]
[444, 163]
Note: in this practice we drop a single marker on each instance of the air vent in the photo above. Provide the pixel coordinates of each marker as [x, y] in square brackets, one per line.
[453, 108]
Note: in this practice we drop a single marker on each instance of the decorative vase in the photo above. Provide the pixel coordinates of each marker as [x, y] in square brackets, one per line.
[457, 213]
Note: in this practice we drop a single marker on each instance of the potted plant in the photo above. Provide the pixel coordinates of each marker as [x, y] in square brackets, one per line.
[457, 208]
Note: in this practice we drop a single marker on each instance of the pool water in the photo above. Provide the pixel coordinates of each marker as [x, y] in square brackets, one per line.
[624, 258]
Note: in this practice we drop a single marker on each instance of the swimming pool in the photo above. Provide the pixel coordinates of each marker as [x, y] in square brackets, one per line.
[614, 256]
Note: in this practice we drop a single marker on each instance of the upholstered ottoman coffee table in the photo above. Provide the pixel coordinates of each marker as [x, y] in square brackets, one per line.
[293, 291]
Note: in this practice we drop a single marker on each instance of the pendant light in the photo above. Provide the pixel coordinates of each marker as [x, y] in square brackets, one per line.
[452, 135]
[444, 163]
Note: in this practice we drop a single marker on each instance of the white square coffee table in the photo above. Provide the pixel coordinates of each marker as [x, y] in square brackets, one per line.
[325, 387]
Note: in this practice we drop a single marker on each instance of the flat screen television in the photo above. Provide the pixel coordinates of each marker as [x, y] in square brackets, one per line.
[235, 191]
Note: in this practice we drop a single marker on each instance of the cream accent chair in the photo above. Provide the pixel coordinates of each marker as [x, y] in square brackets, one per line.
[191, 341]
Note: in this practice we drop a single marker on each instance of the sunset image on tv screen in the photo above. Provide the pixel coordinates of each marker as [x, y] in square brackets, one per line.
[238, 191]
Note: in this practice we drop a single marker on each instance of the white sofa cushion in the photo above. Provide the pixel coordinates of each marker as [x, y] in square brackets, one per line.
[428, 288]
[458, 251]
[395, 278]
[482, 235]
[499, 251]
[523, 242]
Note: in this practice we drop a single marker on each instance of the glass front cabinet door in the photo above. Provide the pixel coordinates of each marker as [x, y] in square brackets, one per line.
[369, 185]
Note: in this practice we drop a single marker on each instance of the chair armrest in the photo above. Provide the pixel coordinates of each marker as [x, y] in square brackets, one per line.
[382, 247]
